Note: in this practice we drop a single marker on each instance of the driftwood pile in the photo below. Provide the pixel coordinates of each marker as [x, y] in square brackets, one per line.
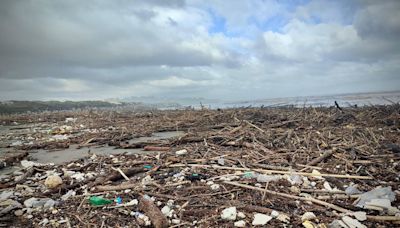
[278, 167]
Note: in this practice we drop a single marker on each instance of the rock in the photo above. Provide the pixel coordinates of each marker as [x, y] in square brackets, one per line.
[352, 223]
[261, 219]
[274, 214]
[308, 216]
[241, 215]
[360, 215]
[166, 210]
[181, 152]
[221, 161]
[240, 223]
[18, 213]
[229, 213]
[53, 181]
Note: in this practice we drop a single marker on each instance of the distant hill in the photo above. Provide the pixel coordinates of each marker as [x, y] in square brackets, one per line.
[10, 107]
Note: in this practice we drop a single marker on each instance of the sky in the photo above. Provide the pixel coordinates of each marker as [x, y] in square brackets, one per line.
[216, 49]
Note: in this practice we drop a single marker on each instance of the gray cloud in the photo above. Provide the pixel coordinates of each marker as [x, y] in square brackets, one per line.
[98, 49]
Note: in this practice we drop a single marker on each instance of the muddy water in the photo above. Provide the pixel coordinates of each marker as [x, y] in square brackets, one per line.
[73, 153]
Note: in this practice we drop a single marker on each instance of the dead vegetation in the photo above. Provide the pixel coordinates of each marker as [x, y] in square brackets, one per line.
[280, 162]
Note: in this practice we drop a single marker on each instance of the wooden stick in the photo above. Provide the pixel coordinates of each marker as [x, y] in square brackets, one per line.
[254, 126]
[310, 199]
[268, 171]
[122, 173]
[105, 188]
[324, 156]
[156, 216]
[383, 218]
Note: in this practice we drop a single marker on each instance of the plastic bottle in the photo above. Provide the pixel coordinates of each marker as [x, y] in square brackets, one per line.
[99, 201]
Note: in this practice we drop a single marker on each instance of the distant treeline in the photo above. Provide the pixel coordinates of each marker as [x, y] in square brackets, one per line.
[10, 107]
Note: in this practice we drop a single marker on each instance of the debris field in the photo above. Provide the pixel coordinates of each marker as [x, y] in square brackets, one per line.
[245, 167]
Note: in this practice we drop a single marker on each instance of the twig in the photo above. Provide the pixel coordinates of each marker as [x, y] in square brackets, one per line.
[310, 199]
[274, 171]
[122, 173]
[254, 126]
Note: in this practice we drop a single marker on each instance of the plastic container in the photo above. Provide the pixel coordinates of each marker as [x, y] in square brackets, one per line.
[99, 201]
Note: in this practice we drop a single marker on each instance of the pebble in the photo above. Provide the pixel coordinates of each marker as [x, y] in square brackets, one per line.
[240, 223]
[18, 212]
[308, 216]
[229, 213]
[181, 152]
[53, 181]
[241, 215]
[261, 219]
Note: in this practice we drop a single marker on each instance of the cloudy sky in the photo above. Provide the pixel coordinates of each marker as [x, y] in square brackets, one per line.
[233, 50]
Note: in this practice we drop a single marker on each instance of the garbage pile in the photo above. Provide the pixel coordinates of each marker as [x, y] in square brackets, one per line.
[311, 167]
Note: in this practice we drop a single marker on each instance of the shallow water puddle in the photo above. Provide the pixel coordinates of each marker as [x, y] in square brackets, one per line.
[73, 153]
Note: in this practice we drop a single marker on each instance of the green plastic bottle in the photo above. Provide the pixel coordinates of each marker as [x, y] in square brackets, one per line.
[99, 201]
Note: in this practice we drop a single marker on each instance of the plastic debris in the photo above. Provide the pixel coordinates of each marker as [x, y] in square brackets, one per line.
[352, 190]
[181, 152]
[308, 224]
[118, 200]
[5, 195]
[167, 211]
[229, 213]
[53, 181]
[377, 193]
[43, 202]
[295, 180]
[260, 219]
[176, 221]
[267, 178]
[360, 215]
[215, 187]
[308, 216]
[28, 164]
[240, 223]
[99, 201]
[327, 186]
[352, 223]
[67, 195]
[337, 224]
